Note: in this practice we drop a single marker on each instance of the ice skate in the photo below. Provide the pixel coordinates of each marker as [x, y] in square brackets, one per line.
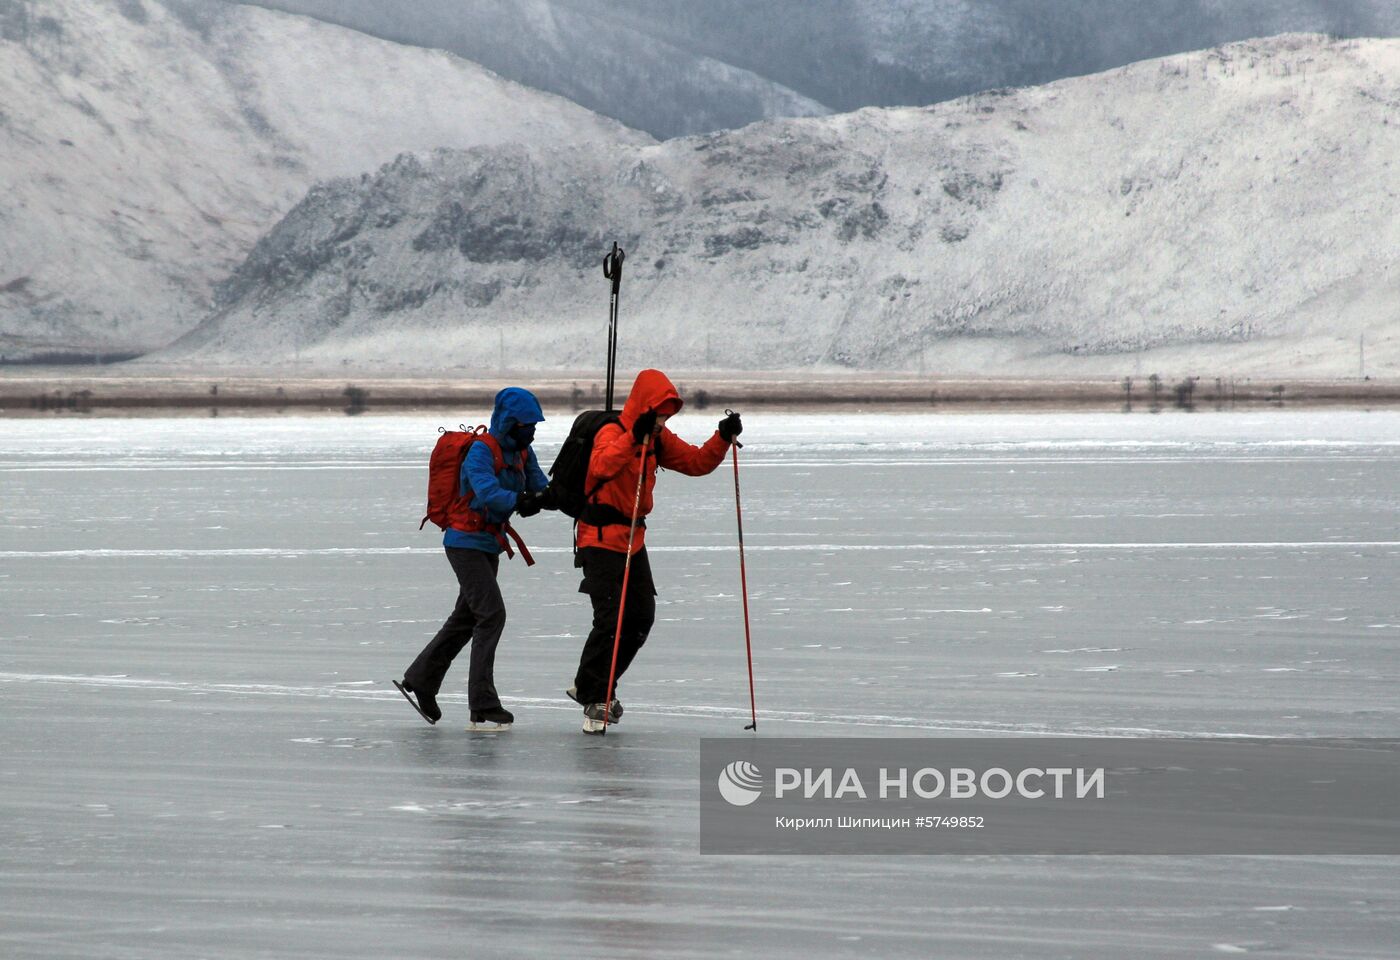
[596, 718]
[498, 718]
[425, 703]
[613, 716]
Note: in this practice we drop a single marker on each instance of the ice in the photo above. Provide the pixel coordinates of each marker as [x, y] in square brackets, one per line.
[203, 755]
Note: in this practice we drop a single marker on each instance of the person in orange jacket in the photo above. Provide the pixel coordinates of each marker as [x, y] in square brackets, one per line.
[602, 532]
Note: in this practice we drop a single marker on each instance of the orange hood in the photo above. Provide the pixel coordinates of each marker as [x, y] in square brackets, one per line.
[652, 390]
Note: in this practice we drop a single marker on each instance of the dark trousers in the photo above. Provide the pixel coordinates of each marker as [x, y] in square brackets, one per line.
[479, 618]
[602, 581]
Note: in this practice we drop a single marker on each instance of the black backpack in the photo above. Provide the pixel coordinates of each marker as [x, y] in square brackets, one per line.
[570, 471]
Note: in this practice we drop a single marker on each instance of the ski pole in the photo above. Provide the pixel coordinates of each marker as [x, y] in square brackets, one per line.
[744, 581]
[626, 573]
[612, 270]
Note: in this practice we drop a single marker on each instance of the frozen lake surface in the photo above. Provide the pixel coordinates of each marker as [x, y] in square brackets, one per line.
[202, 755]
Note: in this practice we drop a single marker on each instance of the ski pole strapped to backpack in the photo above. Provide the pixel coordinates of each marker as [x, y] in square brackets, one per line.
[448, 508]
[612, 270]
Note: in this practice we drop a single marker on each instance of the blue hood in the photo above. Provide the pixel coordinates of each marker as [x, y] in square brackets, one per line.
[513, 405]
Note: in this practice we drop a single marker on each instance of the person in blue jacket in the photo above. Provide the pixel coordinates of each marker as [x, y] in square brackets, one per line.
[479, 617]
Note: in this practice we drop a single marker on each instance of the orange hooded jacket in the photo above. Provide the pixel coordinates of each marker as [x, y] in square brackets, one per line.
[616, 461]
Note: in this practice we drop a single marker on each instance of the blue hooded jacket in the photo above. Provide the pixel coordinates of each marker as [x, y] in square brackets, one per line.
[496, 494]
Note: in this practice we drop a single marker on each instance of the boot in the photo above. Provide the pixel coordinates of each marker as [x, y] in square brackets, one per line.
[594, 715]
[497, 718]
[614, 714]
[424, 703]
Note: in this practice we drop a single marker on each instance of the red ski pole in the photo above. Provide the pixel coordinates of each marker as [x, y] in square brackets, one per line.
[744, 584]
[626, 573]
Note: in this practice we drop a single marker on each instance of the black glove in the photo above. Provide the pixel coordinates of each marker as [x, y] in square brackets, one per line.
[644, 426]
[549, 498]
[730, 427]
[528, 504]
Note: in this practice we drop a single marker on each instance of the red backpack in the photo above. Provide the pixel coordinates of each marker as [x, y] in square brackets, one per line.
[447, 509]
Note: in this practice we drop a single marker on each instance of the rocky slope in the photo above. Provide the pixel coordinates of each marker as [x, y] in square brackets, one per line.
[145, 146]
[1235, 208]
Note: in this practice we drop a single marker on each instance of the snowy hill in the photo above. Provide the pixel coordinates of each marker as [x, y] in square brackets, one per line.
[144, 146]
[675, 67]
[1235, 208]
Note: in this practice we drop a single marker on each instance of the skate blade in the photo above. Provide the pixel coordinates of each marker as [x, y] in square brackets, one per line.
[487, 727]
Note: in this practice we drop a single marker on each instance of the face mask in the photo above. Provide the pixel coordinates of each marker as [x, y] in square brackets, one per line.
[523, 434]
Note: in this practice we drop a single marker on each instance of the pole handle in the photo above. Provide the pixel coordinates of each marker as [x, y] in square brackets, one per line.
[612, 265]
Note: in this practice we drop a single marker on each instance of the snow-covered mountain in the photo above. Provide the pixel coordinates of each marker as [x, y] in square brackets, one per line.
[642, 67]
[675, 67]
[1238, 204]
[146, 144]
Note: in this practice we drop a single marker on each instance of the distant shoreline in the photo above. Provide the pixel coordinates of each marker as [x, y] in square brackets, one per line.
[39, 391]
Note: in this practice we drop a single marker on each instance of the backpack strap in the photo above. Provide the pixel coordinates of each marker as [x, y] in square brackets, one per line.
[498, 458]
[502, 530]
[600, 515]
[507, 529]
